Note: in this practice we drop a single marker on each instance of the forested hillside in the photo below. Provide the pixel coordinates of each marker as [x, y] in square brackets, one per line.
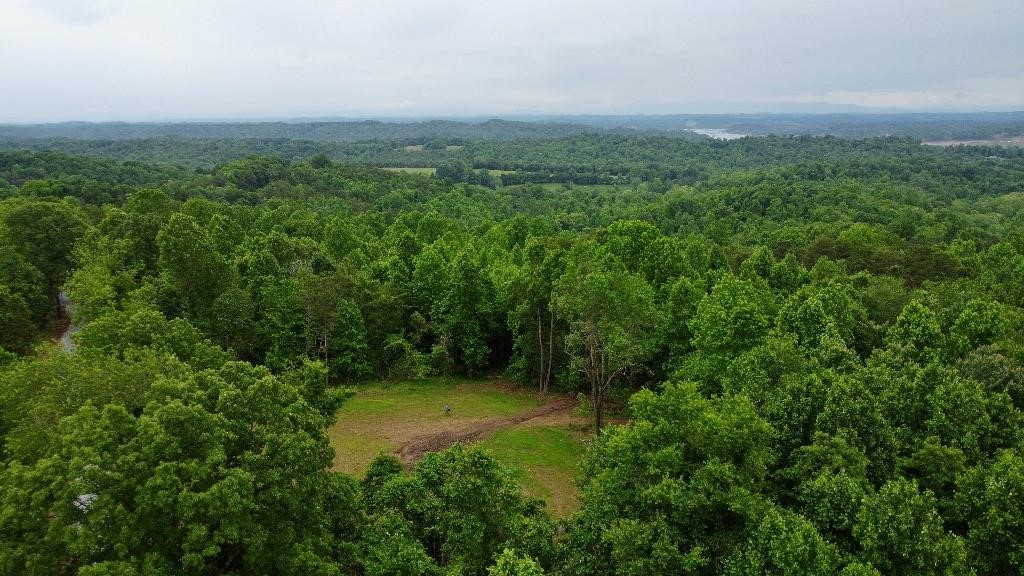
[802, 355]
[864, 124]
[320, 131]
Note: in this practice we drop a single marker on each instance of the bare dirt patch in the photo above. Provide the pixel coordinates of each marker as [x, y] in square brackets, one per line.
[559, 409]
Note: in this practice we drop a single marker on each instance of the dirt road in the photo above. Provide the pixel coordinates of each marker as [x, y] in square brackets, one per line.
[414, 448]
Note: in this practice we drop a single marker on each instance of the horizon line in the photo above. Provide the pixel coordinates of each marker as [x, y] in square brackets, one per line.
[513, 116]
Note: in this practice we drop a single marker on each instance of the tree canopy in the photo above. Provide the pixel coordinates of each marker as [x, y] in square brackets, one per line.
[803, 355]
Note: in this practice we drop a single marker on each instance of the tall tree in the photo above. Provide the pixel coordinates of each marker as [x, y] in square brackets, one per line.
[527, 291]
[223, 472]
[461, 505]
[614, 323]
[16, 328]
[673, 491]
[189, 258]
[734, 318]
[465, 312]
[44, 233]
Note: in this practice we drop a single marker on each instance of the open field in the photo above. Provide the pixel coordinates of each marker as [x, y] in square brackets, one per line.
[412, 170]
[538, 435]
[595, 188]
[1011, 141]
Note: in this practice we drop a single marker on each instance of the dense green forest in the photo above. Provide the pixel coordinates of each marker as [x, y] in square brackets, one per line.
[812, 349]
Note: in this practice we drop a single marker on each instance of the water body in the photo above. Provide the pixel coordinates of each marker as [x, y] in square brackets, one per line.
[718, 133]
[67, 308]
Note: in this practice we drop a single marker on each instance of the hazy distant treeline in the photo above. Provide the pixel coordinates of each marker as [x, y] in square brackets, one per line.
[421, 131]
[931, 126]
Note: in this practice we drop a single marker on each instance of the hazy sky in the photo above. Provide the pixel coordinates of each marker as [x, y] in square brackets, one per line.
[148, 60]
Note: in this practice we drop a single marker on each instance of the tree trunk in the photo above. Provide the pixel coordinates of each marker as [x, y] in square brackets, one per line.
[327, 361]
[595, 373]
[551, 349]
[540, 351]
[598, 402]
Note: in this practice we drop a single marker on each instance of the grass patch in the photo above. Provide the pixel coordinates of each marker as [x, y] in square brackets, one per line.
[383, 416]
[353, 452]
[412, 170]
[425, 400]
[546, 460]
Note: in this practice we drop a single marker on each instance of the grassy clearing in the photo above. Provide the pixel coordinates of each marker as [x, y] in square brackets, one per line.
[383, 416]
[425, 400]
[592, 188]
[412, 170]
[545, 452]
[547, 461]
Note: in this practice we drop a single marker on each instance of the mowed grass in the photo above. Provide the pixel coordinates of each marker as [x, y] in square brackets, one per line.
[546, 460]
[382, 417]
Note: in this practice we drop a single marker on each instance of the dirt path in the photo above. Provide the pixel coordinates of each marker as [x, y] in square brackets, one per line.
[62, 327]
[412, 450]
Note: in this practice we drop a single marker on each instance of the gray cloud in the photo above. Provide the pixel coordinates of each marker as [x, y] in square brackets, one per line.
[145, 60]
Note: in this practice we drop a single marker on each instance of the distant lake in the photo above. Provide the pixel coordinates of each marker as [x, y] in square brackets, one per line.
[718, 133]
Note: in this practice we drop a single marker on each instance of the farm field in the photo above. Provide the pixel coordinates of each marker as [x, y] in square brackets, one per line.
[539, 436]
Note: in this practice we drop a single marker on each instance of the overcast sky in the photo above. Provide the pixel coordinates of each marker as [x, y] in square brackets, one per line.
[185, 59]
